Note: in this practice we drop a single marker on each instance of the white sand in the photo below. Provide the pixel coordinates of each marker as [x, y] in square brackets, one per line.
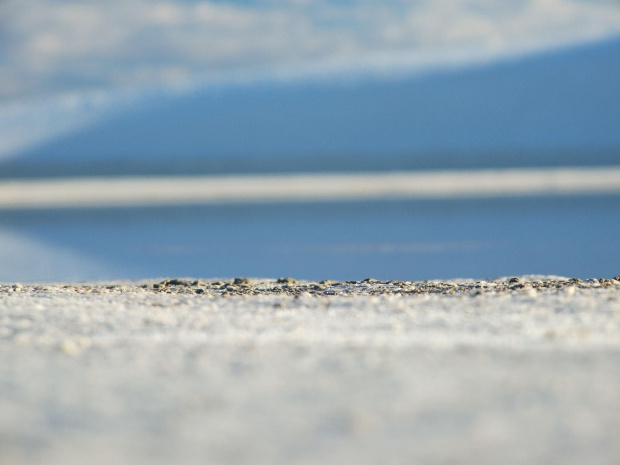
[191, 190]
[139, 377]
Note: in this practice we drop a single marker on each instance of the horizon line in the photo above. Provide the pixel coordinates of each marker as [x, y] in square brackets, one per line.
[123, 192]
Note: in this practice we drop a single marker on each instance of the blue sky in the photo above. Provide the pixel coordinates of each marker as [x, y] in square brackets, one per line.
[50, 47]
[156, 82]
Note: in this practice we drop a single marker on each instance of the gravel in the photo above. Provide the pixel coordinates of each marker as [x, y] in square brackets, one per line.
[240, 371]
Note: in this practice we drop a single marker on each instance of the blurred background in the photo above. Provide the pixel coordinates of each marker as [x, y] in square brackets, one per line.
[139, 89]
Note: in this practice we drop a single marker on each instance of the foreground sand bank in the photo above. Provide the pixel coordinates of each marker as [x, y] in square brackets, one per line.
[521, 370]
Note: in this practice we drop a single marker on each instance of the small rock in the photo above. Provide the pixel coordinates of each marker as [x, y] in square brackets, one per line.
[173, 282]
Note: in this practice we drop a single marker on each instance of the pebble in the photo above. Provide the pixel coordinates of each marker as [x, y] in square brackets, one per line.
[292, 287]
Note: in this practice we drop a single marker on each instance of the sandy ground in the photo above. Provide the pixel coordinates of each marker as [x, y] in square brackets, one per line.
[521, 371]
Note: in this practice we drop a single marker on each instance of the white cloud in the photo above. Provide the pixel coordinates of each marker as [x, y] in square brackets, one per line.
[59, 45]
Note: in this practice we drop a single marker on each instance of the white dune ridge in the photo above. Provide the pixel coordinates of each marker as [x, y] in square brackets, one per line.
[154, 191]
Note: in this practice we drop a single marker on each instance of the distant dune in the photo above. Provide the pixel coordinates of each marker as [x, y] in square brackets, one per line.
[555, 108]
